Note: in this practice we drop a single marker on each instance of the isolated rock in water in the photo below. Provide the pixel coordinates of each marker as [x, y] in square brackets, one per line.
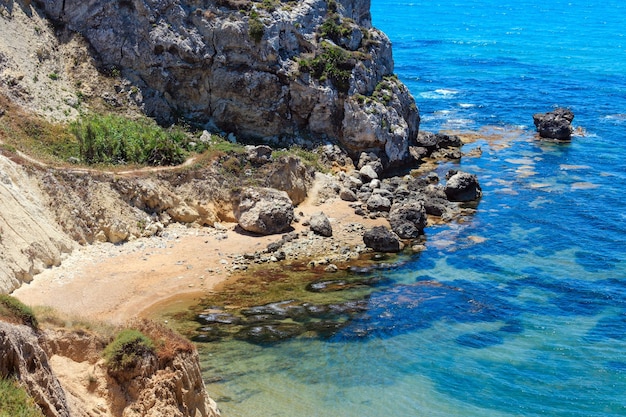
[382, 239]
[408, 219]
[463, 187]
[556, 124]
[264, 211]
[320, 224]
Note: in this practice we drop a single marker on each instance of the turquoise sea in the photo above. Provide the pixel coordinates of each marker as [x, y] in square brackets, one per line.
[521, 309]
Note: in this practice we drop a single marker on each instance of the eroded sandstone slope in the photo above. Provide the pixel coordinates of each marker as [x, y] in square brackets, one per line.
[63, 371]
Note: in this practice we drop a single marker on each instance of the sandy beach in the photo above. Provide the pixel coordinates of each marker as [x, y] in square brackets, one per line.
[115, 283]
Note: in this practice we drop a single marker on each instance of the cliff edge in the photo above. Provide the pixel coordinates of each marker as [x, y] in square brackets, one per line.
[281, 72]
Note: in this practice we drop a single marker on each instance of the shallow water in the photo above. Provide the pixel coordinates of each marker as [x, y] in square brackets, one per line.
[521, 310]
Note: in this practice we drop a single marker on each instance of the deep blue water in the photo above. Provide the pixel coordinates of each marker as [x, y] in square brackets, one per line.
[521, 309]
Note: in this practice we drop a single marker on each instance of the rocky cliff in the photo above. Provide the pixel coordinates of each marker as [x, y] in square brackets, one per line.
[22, 357]
[63, 372]
[288, 72]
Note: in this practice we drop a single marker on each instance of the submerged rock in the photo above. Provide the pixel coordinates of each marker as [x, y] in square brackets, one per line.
[270, 333]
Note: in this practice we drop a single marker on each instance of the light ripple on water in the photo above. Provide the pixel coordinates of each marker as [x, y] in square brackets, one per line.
[551, 269]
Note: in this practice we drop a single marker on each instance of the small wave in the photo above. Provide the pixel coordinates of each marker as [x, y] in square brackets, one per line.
[439, 93]
[458, 123]
[445, 91]
[466, 105]
[618, 117]
[567, 167]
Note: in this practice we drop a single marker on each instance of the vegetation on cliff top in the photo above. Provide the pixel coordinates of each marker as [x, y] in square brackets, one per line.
[126, 349]
[144, 338]
[333, 63]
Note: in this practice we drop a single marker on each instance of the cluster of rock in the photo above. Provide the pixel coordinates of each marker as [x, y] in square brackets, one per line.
[301, 72]
[407, 201]
[280, 321]
[556, 124]
[381, 316]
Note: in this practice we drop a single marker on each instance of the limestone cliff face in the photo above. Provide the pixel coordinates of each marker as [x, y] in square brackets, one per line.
[288, 72]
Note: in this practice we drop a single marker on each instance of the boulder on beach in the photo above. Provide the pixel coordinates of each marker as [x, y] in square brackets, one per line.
[408, 219]
[382, 239]
[462, 186]
[265, 211]
[556, 124]
[320, 225]
[378, 202]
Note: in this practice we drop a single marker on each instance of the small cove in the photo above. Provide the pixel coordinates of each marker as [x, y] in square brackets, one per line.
[521, 308]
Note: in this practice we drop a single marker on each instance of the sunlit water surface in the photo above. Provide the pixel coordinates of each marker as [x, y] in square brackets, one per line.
[520, 311]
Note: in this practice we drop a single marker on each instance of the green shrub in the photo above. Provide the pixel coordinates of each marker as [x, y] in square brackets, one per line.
[256, 28]
[111, 139]
[308, 157]
[333, 28]
[15, 401]
[232, 165]
[126, 349]
[334, 63]
[270, 5]
[13, 309]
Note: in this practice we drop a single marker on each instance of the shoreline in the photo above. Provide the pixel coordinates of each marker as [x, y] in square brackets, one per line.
[115, 283]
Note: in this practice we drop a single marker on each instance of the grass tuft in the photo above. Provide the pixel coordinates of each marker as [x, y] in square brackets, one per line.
[14, 311]
[15, 401]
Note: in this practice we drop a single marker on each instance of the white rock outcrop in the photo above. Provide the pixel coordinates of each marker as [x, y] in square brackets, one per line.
[30, 239]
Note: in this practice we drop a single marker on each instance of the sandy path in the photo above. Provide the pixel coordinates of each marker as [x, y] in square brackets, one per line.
[117, 282]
